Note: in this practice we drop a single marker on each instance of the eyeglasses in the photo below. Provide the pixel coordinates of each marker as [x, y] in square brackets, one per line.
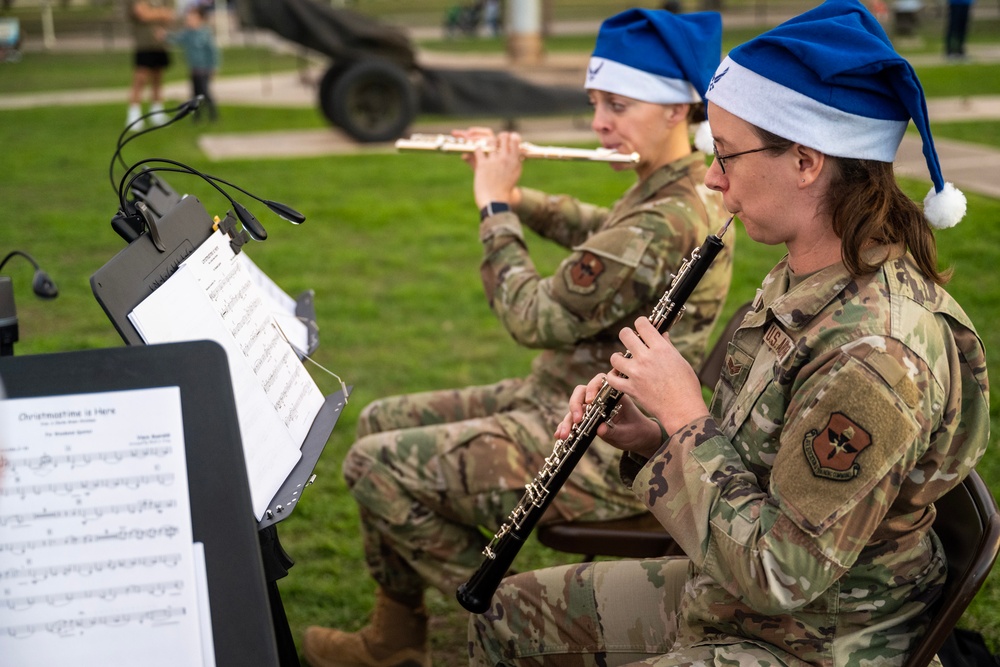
[721, 159]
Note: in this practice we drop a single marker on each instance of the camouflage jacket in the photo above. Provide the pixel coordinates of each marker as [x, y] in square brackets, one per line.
[619, 268]
[846, 407]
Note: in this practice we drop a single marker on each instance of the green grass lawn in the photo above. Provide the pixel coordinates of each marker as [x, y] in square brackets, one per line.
[391, 249]
[57, 70]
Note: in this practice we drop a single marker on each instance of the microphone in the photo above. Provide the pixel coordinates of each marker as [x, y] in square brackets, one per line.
[180, 111]
[43, 287]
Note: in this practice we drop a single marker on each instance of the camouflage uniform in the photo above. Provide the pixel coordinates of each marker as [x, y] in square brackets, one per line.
[429, 468]
[846, 407]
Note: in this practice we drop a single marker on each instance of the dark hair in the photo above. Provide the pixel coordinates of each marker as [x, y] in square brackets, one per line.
[867, 206]
[697, 113]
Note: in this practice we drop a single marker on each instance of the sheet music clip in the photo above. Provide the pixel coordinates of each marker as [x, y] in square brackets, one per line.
[155, 192]
[154, 233]
[237, 237]
[132, 226]
[156, 197]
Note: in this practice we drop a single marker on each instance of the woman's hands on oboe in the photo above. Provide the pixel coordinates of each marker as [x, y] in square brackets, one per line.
[629, 429]
[657, 378]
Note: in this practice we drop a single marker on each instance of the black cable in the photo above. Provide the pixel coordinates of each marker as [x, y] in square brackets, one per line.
[181, 110]
[246, 218]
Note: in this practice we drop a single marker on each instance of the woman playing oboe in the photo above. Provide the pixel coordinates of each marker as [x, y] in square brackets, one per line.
[428, 469]
[853, 396]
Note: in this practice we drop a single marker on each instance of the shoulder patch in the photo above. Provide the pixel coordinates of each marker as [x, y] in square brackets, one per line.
[850, 432]
[585, 271]
[832, 451]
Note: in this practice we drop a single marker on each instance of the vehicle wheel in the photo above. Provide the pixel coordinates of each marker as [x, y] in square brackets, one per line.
[371, 100]
[330, 77]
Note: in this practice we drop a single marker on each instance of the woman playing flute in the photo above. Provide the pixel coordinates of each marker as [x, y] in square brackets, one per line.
[428, 469]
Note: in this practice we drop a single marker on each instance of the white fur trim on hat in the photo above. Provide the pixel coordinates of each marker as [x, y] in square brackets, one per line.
[703, 138]
[614, 77]
[946, 208]
[801, 119]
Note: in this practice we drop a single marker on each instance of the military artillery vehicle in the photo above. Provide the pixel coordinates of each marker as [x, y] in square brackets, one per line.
[374, 86]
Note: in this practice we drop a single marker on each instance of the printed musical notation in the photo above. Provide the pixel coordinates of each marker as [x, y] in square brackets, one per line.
[215, 295]
[87, 514]
[67, 627]
[95, 531]
[41, 464]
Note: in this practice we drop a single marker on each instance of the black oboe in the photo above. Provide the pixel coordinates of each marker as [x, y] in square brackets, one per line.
[476, 593]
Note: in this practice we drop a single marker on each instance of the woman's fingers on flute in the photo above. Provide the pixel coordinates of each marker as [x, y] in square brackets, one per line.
[509, 142]
[476, 133]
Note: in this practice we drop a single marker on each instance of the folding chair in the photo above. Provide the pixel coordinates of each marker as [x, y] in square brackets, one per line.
[968, 524]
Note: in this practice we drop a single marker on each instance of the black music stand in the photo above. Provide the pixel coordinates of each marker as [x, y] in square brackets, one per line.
[139, 269]
[242, 624]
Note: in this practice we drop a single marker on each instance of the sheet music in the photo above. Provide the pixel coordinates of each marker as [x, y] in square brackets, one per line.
[212, 296]
[279, 304]
[96, 556]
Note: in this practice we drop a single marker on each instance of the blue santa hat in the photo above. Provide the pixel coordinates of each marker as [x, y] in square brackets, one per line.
[831, 80]
[655, 56]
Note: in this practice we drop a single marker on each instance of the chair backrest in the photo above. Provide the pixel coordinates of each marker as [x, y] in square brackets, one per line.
[968, 524]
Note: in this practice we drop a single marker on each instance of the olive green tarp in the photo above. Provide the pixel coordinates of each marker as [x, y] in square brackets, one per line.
[346, 35]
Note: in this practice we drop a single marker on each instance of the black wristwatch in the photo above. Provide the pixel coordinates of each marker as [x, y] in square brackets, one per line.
[493, 208]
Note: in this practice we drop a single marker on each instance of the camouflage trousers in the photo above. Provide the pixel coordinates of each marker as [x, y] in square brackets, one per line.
[603, 614]
[428, 470]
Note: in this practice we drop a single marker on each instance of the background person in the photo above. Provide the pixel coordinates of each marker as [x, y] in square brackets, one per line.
[201, 54]
[958, 28]
[854, 396]
[491, 17]
[428, 469]
[149, 20]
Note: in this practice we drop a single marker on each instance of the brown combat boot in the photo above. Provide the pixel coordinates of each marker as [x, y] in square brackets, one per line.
[395, 637]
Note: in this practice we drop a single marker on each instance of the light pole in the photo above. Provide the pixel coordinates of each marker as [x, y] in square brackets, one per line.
[524, 31]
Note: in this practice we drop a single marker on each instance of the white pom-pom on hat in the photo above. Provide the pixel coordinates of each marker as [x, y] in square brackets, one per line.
[703, 138]
[946, 208]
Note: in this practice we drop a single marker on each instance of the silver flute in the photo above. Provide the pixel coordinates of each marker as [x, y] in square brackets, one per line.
[444, 143]
[475, 595]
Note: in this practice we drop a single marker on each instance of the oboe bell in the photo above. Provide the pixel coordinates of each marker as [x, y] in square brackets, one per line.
[443, 143]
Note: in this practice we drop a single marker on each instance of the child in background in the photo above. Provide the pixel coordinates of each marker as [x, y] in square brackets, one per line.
[202, 56]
